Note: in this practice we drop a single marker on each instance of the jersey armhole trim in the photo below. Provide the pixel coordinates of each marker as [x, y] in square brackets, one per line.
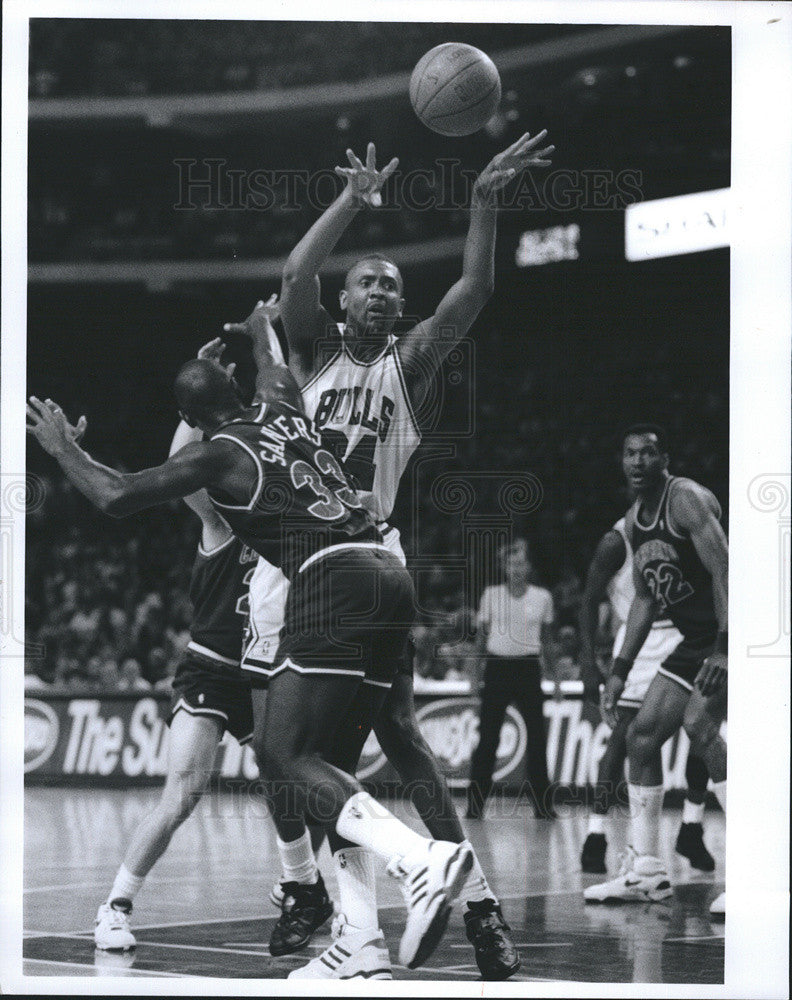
[208, 553]
[323, 369]
[259, 471]
[405, 393]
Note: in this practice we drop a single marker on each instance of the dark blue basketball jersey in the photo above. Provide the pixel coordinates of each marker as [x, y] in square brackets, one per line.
[301, 501]
[219, 595]
[673, 571]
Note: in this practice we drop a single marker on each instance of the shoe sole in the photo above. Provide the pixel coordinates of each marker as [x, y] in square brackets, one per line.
[704, 864]
[376, 974]
[454, 881]
[115, 948]
[500, 974]
[277, 901]
[652, 896]
[298, 947]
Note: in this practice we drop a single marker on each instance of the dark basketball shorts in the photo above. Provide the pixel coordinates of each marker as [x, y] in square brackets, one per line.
[684, 662]
[203, 687]
[349, 612]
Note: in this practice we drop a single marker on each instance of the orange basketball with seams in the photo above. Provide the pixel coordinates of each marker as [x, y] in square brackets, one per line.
[455, 89]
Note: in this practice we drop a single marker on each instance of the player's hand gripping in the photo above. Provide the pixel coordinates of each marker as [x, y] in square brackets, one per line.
[48, 424]
[365, 181]
[512, 161]
[609, 698]
[712, 675]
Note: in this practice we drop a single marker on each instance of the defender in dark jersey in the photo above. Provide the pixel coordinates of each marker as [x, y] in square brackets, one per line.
[311, 729]
[680, 571]
[210, 696]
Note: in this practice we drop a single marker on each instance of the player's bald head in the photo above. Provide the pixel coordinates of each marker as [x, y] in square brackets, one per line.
[203, 390]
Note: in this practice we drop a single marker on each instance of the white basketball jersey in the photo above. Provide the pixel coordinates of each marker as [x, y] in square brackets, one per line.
[621, 589]
[364, 414]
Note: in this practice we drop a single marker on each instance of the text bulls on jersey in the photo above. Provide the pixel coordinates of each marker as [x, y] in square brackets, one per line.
[352, 406]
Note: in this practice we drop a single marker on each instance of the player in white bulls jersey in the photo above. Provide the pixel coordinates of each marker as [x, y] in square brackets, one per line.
[610, 574]
[363, 385]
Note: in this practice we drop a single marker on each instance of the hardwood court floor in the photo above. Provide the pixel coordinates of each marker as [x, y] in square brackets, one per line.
[204, 909]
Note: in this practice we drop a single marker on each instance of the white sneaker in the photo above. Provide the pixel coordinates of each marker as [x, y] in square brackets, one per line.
[718, 907]
[641, 878]
[277, 895]
[354, 954]
[111, 930]
[432, 877]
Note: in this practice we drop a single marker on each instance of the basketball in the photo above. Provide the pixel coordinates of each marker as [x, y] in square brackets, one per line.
[455, 89]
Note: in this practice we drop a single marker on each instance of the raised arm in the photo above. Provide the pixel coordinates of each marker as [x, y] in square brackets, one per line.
[116, 493]
[274, 380]
[608, 558]
[422, 349]
[304, 319]
[696, 512]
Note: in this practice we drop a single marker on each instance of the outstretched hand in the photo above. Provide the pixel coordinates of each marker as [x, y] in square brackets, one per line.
[365, 181]
[506, 165]
[213, 351]
[265, 313]
[48, 424]
[258, 328]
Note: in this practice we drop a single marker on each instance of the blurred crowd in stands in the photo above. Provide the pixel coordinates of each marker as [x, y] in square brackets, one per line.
[132, 58]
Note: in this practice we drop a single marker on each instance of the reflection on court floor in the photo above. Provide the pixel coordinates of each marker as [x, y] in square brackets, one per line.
[204, 909]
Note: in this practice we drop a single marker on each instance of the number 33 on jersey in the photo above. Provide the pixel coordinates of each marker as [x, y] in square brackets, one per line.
[364, 414]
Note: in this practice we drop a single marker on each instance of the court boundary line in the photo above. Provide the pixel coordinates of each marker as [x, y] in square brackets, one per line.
[130, 971]
[231, 920]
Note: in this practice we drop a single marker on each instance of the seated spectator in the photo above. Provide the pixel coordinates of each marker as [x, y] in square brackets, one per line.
[132, 677]
[567, 645]
[109, 675]
[33, 680]
[567, 595]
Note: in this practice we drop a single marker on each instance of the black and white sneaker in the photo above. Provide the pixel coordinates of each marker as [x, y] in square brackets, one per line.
[354, 954]
[690, 844]
[490, 936]
[431, 876]
[592, 857]
[305, 908]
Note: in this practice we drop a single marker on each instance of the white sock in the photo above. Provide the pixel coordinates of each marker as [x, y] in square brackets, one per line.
[719, 787]
[126, 885]
[476, 887]
[297, 860]
[646, 804]
[693, 812]
[596, 823]
[366, 822]
[357, 887]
